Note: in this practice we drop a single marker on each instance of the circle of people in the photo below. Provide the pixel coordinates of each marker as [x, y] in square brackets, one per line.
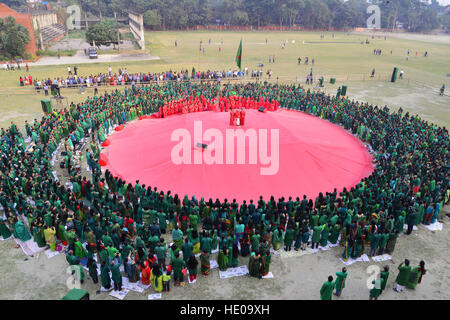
[106, 220]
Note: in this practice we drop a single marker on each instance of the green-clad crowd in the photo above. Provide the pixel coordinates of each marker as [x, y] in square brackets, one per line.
[105, 219]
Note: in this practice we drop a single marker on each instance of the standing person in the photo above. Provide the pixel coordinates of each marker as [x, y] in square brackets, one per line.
[289, 238]
[415, 276]
[411, 221]
[177, 236]
[146, 273]
[222, 259]
[442, 90]
[192, 268]
[390, 246]
[204, 259]
[376, 290]
[116, 275]
[374, 242]
[177, 265]
[326, 292]
[384, 276]
[26, 66]
[92, 266]
[254, 265]
[187, 248]
[266, 263]
[166, 281]
[403, 276]
[340, 281]
[317, 230]
[104, 274]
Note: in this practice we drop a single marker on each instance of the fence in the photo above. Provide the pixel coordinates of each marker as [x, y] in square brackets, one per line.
[263, 28]
[273, 79]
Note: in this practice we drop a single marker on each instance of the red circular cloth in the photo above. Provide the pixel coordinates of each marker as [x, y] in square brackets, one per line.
[314, 156]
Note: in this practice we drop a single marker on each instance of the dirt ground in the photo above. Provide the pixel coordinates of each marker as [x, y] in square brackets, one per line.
[39, 277]
[295, 278]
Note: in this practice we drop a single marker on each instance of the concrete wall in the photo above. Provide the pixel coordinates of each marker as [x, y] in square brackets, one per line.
[44, 19]
[136, 22]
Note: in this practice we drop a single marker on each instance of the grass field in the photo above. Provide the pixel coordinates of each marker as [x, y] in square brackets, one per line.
[343, 57]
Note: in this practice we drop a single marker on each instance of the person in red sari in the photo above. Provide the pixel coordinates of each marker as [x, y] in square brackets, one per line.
[231, 117]
[146, 273]
[242, 117]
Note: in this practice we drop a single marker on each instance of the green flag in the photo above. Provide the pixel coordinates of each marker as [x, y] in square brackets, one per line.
[239, 55]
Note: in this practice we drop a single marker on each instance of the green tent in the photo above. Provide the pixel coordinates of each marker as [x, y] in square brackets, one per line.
[76, 294]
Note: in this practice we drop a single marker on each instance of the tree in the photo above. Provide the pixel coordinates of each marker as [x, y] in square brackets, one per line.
[152, 19]
[315, 15]
[13, 37]
[15, 4]
[259, 11]
[445, 21]
[294, 8]
[103, 33]
[428, 21]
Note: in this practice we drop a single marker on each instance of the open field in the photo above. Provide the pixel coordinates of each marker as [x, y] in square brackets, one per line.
[39, 277]
[345, 58]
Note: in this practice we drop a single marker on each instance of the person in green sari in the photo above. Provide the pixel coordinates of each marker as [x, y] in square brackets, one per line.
[177, 265]
[357, 247]
[415, 276]
[233, 258]
[177, 236]
[104, 274]
[403, 276]
[205, 264]
[289, 238]
[222, 259]
[92, 266]
[384, 275]
[277, 238]
[80, 252]
[254, 265]
[340, 281]
[326, 291]
[317, 230]
[192, 268]
[116, 275]
[335, 232]
[5, 233]
[266, 263]
[20, 231]
[324, 236]
[187, 248]
[376, 290]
